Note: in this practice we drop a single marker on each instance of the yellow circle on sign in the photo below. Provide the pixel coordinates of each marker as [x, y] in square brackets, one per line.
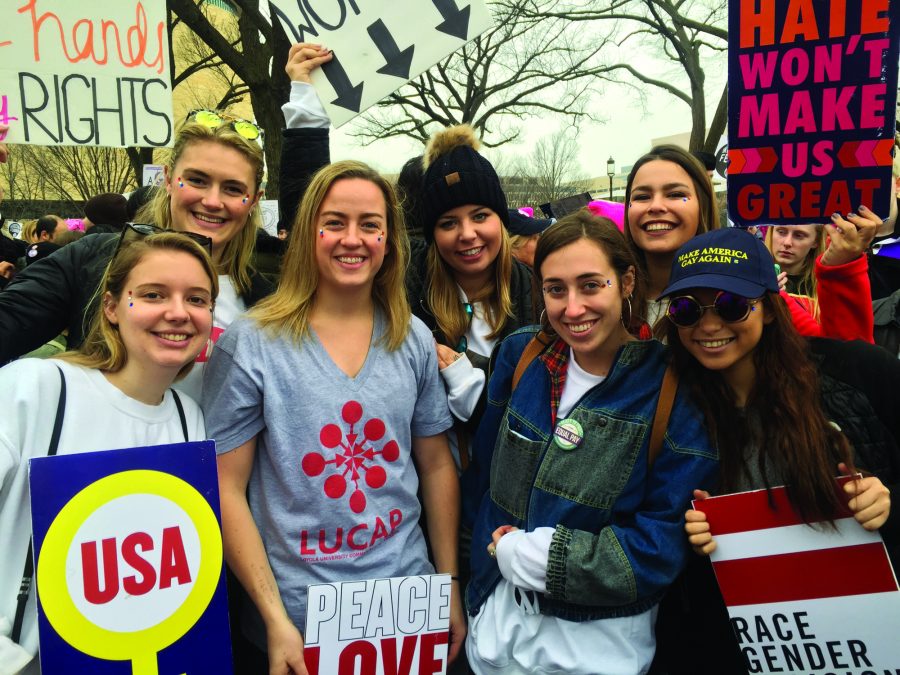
[62, 612]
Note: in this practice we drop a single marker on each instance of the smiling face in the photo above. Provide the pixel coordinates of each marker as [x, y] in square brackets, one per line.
[212, 190]
[583, 298]
[791, 246]
[664, 211]
[351, 235]
[725, 347]
[164, 315]
[468, 239]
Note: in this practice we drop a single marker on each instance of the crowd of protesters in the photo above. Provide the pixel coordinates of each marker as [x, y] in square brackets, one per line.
[552, 394]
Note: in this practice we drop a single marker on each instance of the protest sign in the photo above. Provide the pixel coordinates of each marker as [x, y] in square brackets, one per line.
[379, 44]
[128, 561]
[152, 175]
[807, 599]
[378, 627]
[91, 72]
[812, 90]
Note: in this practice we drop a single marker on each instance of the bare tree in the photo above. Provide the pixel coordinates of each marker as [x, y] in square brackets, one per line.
[527, 65]
[76, 173]
[685, 32]
[552, 170]
[256, 54]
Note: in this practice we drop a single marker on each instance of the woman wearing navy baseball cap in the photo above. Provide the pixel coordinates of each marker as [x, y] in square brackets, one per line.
[783, 410]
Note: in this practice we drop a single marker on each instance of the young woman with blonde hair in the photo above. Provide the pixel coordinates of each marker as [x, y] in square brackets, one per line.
[157, 299]
[212, 188]
[329, 415]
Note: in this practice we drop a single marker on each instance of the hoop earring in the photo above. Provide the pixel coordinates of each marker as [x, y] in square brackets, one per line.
[543, 316]
[630, 314]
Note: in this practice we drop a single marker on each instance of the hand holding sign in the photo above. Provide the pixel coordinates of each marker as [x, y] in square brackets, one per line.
[285, 648]
[697, 528]
[870, 500]
[850, 237]
[305, 58]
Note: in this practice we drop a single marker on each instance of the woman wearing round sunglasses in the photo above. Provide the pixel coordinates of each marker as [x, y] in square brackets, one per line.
[783, 410]
[578, 531]
[211, 190]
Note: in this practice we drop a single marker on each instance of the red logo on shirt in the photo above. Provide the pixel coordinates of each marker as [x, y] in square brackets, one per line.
[214, 335]
[354, 456]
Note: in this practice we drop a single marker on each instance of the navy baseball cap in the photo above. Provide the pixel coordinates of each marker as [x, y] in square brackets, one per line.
[728, 259]
[524, 225]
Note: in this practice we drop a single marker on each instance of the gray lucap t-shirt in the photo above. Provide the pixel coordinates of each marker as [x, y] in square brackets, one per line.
[333, 486]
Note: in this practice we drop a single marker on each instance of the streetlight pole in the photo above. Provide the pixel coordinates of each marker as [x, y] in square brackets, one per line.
[610, 171]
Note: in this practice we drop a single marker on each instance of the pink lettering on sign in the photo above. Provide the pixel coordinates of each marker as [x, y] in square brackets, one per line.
[85, 40]
[5, 117]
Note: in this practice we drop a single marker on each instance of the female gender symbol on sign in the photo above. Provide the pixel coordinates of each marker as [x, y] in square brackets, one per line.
[107, 552]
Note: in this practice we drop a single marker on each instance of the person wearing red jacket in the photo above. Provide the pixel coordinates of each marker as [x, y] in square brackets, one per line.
[843, 293]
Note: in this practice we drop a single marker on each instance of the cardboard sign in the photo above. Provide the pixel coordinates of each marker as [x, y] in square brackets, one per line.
[393, 626]
[91, 72]
[128, 562]
[152, 175]
[378, 45]
[812, 90]
[804, 599]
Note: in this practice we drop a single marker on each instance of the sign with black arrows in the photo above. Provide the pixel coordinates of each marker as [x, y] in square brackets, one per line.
[378, 44]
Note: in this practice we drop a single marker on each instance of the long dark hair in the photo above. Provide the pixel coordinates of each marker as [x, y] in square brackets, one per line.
[602, 231]
[792, 430]
[709, 213]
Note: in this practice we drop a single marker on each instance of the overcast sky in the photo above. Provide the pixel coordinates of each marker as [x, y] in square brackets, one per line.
[625, 136]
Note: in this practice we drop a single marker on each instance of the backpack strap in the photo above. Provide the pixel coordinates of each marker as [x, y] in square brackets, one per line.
[662, 414]
[181, 416]
[537, 345]
[28, 571]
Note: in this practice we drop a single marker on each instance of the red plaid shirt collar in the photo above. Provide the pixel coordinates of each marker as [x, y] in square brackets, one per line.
[556, 359]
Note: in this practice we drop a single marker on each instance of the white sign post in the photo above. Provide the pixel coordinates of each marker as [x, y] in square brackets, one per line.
[378, 45]
[91, 72]
[378, 626]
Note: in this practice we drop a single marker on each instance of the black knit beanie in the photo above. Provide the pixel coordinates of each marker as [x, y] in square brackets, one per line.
[456, 175]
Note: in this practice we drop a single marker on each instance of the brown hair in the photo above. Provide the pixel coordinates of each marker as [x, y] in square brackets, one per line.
[602, 231]
[709, 214]
[792, 430]
[288, 308]
[103, 347]
[236, 257]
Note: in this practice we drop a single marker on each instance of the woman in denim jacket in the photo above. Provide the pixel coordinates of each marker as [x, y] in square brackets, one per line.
[575, 537]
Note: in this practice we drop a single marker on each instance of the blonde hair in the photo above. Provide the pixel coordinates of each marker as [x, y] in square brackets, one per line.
[288, 309]
[808, 285]
[517, 241]
[238, 253]
[443, 294]
[103, 347]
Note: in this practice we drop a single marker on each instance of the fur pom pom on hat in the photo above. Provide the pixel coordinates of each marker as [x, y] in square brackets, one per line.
[456, 175]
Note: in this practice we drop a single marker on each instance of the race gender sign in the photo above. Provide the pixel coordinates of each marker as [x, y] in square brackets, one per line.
[812, 89]
[812, 599]
[128, 561]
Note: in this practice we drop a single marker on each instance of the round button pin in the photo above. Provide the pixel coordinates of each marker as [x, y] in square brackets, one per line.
[568, 434]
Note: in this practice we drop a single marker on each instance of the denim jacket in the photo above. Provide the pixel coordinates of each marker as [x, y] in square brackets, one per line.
[619, 539]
